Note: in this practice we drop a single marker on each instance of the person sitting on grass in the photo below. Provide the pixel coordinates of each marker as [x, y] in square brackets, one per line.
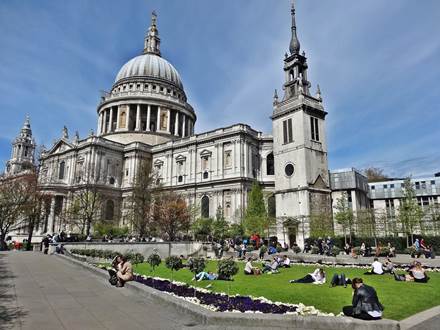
[250, 270]
[376, 268]
[125, 272]
[285, 262]
[317, 277]
[365, 304]
[271, 267]
[339, 280]
[388, 266]
[209, 276]
[416, 274]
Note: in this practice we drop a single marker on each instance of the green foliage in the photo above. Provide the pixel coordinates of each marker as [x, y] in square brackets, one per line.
[227, 268]
[321, 224]
[296, 249]
[109, 229]
[263, 249]
[174, 263]
[135, 258]
[344, 214]
[410, 212]
[220, 226]
[197, 265]
[236, 229]
[154, 260]
[202, 228]
[256, 219]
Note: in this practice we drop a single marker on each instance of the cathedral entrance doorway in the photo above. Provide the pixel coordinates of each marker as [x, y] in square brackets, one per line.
[291, 225]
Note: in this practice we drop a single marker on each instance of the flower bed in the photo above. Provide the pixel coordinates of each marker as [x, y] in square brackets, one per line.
[221, 302]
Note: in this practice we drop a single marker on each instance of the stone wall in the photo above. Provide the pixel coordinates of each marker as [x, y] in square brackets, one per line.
[164, 249]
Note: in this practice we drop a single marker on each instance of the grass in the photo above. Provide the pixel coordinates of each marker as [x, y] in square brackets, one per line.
[401, 299]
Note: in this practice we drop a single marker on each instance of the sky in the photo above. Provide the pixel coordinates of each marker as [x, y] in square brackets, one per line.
[377, 63]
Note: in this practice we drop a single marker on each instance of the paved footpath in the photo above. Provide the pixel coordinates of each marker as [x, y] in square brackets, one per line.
[40, 291]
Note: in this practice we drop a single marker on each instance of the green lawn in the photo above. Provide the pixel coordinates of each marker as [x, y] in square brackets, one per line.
[401, 299]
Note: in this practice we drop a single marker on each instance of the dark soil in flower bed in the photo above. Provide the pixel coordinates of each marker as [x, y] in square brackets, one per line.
[220, 301]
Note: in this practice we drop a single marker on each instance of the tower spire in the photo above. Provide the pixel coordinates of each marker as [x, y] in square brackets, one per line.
[152, 40]
[294, 42]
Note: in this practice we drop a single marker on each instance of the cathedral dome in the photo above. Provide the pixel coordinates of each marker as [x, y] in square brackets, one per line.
[149, 66]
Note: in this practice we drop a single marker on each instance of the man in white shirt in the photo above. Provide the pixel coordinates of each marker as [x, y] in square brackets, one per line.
[376, 268]
[286, 262]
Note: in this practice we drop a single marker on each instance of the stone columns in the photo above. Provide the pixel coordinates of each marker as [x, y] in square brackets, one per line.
[117, 117]
[138, 117]
[127, 117]
[98, 131]
[148, 117]
[183, 126]
[51, 222]
[176, 124]
[158, 120]
[169, 121]
[110, 125]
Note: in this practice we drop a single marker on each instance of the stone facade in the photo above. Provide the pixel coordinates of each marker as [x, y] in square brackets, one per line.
[146, 115]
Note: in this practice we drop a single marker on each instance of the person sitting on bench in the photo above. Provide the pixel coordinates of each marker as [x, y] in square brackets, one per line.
[376, 268]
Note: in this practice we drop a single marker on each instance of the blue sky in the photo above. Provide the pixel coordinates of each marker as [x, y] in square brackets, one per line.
[377, 62]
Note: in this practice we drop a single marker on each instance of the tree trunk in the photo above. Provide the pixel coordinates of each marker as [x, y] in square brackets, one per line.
[3, 246]
[88, 225]
[30, 234]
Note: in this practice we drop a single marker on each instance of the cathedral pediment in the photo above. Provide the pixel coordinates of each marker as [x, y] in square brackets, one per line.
[60, 146]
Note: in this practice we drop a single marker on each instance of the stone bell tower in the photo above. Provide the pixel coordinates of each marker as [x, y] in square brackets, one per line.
[23, 151]
[300, 150]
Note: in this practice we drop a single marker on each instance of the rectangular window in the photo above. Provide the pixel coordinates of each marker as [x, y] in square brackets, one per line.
[314, 128]
[385, 186]
[432, 182]
[392, 186]
[287, 131]
[423, 184]
[373, 187]
[417, 185]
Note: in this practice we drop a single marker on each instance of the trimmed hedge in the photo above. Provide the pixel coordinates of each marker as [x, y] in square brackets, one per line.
[135, 258]
[400, 243]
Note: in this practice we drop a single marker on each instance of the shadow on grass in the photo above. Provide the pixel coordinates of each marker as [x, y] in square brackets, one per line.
[10, 313]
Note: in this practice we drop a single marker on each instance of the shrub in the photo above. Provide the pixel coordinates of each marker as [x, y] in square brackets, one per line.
[314, 250]
[197, 265]
[154, 260]
[250, 248]
[173, 263]
[135, 258]
[227, 268]
[296, 249]
[336, 251]
[263, 249]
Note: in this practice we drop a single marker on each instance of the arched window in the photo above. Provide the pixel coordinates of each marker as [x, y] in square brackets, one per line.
[270, 164]
[205, 207]
[122, 119]
[61, 170]
[109, 210]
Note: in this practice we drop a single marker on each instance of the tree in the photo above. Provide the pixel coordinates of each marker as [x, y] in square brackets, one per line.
[321, 224]
[366, 223]
[33, 209]
[375, 174]
[434, 214]
[202, 228]
[170, 214]
[256, 219]
[344, 215]
[220, 226]
[410, 212]
[85, 208]
[13, 196]
[140, 201]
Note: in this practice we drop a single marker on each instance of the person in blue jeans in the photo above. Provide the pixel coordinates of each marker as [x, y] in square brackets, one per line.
[209, 276]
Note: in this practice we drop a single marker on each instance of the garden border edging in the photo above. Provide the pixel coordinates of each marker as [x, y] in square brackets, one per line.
[238, 320]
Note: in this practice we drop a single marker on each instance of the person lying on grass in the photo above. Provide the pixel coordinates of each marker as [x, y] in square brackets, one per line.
[209, 276]
[250, 270]
[365, 304]
[376, 268]
[317, 277]
[339, 280]
[415, 274]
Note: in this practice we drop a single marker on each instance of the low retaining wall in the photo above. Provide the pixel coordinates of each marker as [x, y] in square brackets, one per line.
[164, 249]
[247, 320]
